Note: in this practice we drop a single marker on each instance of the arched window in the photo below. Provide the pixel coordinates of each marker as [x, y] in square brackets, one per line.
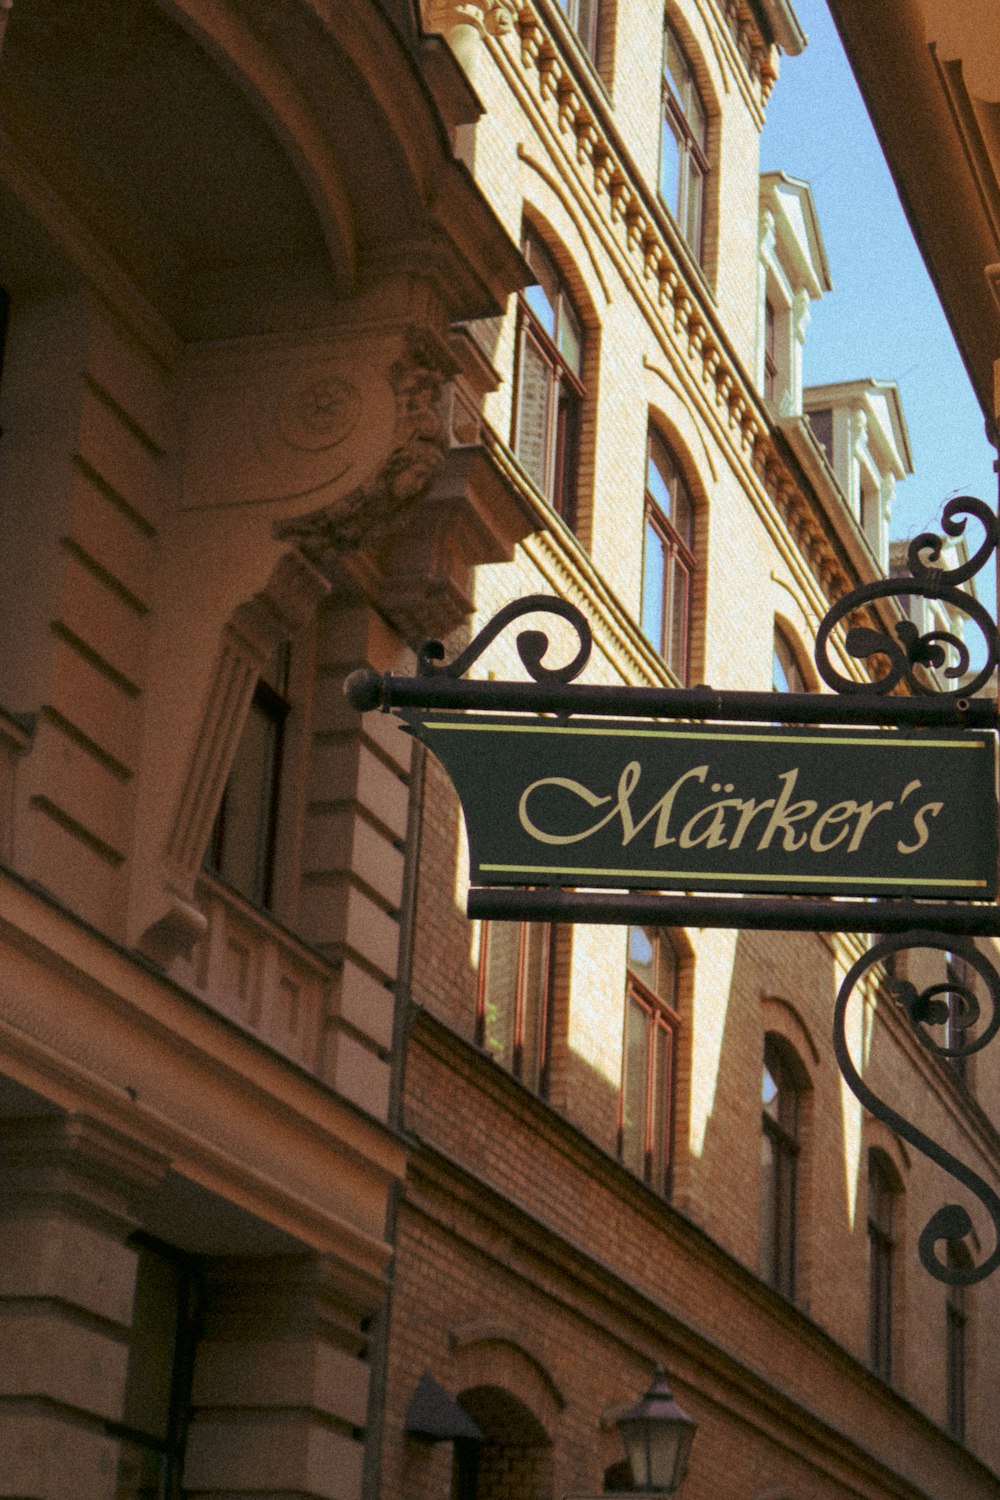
[667, 557]
[786, 674]
[645, 1113]
[683, 143]
[781, 1104]
[512, 1015]
[548, 382]
[884, 1189]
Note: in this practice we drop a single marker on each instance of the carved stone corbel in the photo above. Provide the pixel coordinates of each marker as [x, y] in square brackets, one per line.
[371, 511]
[437, 507]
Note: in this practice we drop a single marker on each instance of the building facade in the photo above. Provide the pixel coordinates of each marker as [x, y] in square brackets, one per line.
[327, 329]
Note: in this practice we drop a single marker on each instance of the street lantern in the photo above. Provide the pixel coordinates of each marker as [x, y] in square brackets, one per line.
[657, 1434]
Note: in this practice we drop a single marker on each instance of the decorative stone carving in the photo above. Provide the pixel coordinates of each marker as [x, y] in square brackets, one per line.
[318, 414]
[488, 17]
[371, 511]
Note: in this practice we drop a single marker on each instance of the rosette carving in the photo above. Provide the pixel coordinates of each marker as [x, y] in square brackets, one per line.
[371, 511]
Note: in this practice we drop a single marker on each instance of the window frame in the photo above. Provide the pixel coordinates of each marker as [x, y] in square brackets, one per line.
[883, 1223]
[522, 998]
[779, 1210]
[692, 153]
[564, 387]
[677, 556]
[271, 702]
[661, 1017]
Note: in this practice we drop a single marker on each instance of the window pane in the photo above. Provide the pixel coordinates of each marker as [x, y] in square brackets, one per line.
[534, 991]
[543, 297]
[634, 1086]
[242, 846]
[642, 954]
[675, 67]
[499, 1000]
[786, 674]
[693, 195]
[653, 587]
[821, 423]
[768, 1206]
[661, 475]
[670, 166]
[570, 341]
[682, 512]
[542, 308]
[696, 116]
[533, 409]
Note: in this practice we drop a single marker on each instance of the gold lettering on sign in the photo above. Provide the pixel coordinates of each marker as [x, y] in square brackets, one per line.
[729, 821]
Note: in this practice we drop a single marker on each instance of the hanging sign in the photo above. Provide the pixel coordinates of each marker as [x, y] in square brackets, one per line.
[657, 806]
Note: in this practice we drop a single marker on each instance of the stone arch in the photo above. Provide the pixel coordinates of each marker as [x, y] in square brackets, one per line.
[486, 1353]
[514, 1461]
[782, 1018]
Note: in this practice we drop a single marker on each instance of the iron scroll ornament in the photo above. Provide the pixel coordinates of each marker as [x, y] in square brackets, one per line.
[532, 645]
[908, 650]
[932, 1006]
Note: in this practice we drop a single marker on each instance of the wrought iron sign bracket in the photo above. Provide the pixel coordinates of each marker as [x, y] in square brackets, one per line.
[914, 682]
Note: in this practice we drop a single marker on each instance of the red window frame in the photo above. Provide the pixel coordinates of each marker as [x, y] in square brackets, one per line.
[883, 1192]
[781, 1149]
[672, 635]
[661, 1020]
[564, 389]
[537, 1075]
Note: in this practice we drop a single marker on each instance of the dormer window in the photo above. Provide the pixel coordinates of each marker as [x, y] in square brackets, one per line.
[770, 351]
[821, 422]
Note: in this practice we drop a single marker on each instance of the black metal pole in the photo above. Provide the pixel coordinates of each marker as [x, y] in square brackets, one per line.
[779, 914]
[367, 689]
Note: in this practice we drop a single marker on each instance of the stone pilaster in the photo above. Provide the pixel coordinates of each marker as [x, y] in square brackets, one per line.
[352, 866]
[67, 1279]
[280, 1394]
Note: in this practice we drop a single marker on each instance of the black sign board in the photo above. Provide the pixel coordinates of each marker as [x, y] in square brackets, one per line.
[675, 806]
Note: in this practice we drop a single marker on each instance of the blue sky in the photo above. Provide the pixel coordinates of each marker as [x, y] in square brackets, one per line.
[883, 317]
